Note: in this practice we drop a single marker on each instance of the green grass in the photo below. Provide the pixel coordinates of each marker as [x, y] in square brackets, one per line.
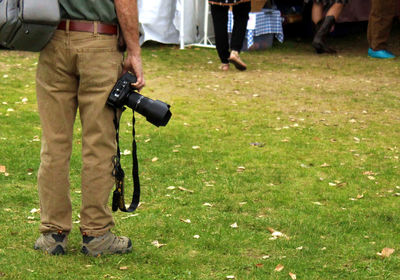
[305, 110]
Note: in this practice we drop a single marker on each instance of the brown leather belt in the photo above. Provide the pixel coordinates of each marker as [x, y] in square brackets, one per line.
[88, 26]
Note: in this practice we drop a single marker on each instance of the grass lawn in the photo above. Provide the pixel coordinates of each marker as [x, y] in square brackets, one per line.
[304, 144]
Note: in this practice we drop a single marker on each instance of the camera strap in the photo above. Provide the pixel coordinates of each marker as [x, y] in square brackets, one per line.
[118, 201]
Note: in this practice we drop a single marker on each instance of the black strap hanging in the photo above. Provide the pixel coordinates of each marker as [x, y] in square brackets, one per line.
[118, 201]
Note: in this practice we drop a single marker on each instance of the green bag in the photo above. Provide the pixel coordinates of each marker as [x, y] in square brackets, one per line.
[28, 25]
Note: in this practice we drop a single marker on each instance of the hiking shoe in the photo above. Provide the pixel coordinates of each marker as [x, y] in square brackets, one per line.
[106, 244]
[53, 243]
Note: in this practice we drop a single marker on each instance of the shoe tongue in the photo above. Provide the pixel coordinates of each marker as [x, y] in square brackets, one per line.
[58, 237]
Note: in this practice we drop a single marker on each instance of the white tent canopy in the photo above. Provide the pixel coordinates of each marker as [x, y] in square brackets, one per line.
[174, 21]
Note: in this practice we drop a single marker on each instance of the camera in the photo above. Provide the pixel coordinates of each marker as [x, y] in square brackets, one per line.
[123, 93]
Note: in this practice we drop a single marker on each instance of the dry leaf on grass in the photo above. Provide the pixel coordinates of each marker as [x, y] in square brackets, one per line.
[2, 169]
[369, 173]
[240, 169]
[34, 210]
[185, 190]
[275, 234]
[230, 277]
[129, 216]
[292, 276]
[154, 159]
[123, 268]
[325, 165]
[386, 252]
[207, 204]
[158, 244]
[187, 221]
[234, 225]
[279, 268]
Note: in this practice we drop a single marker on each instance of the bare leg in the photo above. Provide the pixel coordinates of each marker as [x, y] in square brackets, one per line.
[335, 10]
[317, 12]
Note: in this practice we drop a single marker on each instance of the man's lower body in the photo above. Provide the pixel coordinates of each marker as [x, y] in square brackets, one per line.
[76, 71]
[379, 27]
[220, 19]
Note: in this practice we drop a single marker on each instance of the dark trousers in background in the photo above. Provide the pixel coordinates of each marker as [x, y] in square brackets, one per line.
[220, 20]
[380, 22]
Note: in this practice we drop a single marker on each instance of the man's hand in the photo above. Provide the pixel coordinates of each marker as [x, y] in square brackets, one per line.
[134, 64]
[127, 13]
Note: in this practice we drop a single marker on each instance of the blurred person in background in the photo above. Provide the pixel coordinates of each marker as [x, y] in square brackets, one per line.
[324, 22]
[219, 12]
[379, 26]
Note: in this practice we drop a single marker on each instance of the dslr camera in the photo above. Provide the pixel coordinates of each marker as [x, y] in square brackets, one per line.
[123, 93]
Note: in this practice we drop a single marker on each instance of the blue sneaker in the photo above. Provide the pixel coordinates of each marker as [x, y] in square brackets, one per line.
[382, 54]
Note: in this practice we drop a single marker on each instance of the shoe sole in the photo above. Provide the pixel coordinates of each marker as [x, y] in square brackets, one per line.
[239, 66]
[87, 252]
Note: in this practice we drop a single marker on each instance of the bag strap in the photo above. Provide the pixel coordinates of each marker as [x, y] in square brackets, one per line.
[118, 201]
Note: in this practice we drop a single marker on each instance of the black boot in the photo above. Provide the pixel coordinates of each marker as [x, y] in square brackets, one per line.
[323, 28]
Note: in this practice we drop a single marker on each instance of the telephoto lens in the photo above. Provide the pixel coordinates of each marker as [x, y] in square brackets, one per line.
[123, 93]
[155, 111]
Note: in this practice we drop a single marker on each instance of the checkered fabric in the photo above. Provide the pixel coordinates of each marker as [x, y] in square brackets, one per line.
[267, 21]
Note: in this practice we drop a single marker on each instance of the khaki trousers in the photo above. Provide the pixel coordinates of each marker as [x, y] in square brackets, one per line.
[76, 71]
[380, 23]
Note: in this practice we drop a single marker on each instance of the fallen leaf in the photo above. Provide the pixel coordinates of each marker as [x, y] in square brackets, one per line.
[185, 190]
[299, 248]
[257, 144]
[2, 169]
[230, 277]
[325, 165]
[371, 178]
[207, 204]
[129, 216]
[368, 173]
[259, 265]
[196, 236]
[187, 221]
[279, 268]
[360, 196]
[171, 188]
[158, 244]
[126, 152]
[266, 257]
[123, 268]
[317, 203]
[275, 234]
[34, 210]
[234, 225]
[241, 169]
[386, 252]
[195, 147]
[154, 159]
[293, 276]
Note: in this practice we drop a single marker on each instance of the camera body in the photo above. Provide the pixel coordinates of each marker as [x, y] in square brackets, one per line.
[123, 93]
